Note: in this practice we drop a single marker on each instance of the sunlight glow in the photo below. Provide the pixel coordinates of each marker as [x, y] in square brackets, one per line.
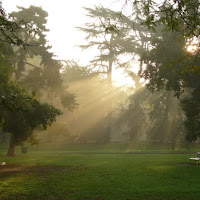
[63, 36]
[192, 45]
[192, 48]
[121, 79]
[95, 105]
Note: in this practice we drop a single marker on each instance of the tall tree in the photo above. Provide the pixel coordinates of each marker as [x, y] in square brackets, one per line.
[9, 37]
[45, 69]
[109, 33]
[36, 17]
[170, 66]
[20, 111]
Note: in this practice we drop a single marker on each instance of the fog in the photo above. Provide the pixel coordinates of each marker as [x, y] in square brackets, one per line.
[99, 99]
[98, 63]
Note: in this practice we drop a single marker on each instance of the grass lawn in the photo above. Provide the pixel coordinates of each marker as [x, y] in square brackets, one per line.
[59, 175]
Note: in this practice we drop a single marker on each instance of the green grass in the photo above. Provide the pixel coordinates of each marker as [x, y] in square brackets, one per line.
[104, 148]
[45, 175]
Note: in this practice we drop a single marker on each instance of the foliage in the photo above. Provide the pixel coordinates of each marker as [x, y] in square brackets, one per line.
[166, 62]
[153, 117]
[33, 140]
[170, 66]
[21, 123]
[35, 65]
[73, 72]
[9, 29]
[191, 107]
[133, 118]
[166, 118]
[182, 16]
[108, 32]
[13, 97]
[112, 34]
[20, 112]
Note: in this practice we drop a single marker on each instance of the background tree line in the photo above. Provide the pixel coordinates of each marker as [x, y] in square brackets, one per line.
[28, 73]
[157, 35]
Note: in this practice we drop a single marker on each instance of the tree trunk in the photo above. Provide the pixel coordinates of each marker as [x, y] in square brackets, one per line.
[109, 82]
[11, 150]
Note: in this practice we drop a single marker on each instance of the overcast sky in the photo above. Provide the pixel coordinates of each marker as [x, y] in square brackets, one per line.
[64, 16]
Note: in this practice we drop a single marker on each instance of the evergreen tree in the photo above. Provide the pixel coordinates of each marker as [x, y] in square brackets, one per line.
[20, 112]
[109, 33]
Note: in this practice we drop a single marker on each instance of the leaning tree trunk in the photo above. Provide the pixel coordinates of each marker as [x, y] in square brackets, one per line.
[11, 150]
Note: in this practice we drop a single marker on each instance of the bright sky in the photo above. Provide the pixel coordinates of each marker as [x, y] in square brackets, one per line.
[64, 16]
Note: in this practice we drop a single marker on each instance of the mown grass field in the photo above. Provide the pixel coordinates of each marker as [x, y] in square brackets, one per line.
[88, 172]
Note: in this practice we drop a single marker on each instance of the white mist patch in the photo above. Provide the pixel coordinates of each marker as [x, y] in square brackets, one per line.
[120, 78]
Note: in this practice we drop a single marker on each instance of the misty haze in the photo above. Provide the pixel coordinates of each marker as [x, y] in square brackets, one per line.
[99, 100]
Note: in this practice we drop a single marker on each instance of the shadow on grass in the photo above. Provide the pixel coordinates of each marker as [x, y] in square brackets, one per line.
[10, 169]
[187, 164]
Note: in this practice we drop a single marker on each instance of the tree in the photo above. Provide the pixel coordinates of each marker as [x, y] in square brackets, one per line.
[9, 37]
[133, 119]
[21, 124]
[170, 66]
[109, 33]
[166, 118]
[182, 16]
[9, 29]
[73, 72]
[20, 111]
[45, 73]
[153, 117]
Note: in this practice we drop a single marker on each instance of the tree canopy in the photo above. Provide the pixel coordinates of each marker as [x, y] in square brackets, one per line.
[21, 113]
[182, 16]
[168, 64]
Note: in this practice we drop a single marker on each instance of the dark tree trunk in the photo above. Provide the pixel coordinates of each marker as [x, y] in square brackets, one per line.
[11, 150]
